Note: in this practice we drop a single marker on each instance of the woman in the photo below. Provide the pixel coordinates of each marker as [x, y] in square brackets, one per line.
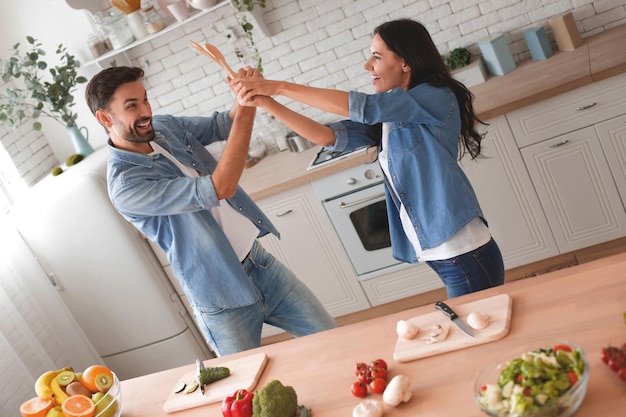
[422, 121]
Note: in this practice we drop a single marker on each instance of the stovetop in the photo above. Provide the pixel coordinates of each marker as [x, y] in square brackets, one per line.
[325, 156]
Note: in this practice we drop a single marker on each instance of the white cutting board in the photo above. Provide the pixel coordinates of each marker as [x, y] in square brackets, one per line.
[244, 374]
[498, 308]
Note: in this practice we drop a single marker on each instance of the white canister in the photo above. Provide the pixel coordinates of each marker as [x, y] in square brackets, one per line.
[135, 23]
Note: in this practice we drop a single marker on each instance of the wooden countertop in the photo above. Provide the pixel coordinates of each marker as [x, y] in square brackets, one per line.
[601, 56]
[584, 304]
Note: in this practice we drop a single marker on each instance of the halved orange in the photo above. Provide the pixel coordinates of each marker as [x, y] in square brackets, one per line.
[36, 407]
[78, 406]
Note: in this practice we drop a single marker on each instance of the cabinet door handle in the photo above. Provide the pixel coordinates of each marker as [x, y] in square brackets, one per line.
[561, 143]
[284, 213]
[588, 106]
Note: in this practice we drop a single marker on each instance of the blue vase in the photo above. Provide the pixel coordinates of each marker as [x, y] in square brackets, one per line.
[81, 146]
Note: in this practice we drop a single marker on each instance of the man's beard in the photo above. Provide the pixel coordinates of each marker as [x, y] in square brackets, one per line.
[132, 135]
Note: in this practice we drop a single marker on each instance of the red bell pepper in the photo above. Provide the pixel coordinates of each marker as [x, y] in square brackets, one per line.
[238, 405]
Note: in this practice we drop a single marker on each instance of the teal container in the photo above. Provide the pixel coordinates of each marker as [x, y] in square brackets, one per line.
[538, 43]
[497, 55]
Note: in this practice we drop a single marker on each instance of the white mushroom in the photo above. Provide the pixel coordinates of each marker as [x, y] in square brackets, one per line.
[477, 320]
[397, 391]
[406, 329]
[436, 333]
[368, 408]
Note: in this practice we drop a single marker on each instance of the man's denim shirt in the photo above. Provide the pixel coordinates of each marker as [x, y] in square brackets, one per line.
[422, 152]
[173, 210]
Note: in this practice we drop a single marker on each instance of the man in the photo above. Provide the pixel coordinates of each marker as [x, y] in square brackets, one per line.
[162, 179]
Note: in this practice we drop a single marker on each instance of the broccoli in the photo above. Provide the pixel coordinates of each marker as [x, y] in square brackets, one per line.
[275, 400]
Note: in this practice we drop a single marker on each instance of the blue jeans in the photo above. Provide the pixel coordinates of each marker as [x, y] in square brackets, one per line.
[477, 270]
[284, 302]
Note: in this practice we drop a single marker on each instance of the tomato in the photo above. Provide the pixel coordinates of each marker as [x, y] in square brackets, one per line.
[616, 363]
[608, 353]
[360, 366]
[621, 372]
[378, 373]
[572, 377]
[359, 389]
[378, 363]
[378, 385]
[564, 348]
[364, 376]
[94, 375]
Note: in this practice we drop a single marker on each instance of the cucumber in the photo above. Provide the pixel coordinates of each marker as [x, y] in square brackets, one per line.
[208, 375]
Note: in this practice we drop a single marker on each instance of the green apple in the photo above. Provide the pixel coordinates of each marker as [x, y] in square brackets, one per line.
[55, 412]
[106, 406]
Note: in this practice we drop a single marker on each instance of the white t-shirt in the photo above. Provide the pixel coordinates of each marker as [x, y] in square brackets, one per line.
[472, 236]
[239, 230]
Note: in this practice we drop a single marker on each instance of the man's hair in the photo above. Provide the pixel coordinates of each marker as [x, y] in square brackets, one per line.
[103, 85]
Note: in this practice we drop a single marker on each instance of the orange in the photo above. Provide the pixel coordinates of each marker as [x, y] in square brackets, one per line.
[36, 407]
[91, 375]
[78, 406]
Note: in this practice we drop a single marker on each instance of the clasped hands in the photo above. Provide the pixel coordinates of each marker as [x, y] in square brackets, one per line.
[250, 87]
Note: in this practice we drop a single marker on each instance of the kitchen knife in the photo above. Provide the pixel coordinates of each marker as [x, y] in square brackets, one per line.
[443, 307]
[200, 367]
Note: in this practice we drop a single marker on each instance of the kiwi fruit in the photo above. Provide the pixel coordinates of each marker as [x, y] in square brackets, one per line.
[103, 382]
[64, 378]
[77, 388]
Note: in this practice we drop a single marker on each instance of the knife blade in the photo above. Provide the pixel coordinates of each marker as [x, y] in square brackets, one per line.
[200, 367]
[445, 309]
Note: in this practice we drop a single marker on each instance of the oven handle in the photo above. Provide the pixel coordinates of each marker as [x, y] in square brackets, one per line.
[356, 203]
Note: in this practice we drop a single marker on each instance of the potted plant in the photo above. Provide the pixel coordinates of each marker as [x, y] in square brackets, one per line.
[40, 97]
[465, 69]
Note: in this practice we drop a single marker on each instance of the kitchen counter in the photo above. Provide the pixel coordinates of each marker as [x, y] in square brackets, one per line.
[601, 56]
[584, 304]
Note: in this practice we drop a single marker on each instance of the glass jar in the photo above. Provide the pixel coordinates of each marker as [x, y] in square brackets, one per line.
[117, 30]
[98, 45]
[152, 19]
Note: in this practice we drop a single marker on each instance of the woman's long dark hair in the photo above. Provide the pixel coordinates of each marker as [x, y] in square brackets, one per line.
[411, 41]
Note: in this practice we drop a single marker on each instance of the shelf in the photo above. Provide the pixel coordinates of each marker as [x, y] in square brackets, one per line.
[116, 54]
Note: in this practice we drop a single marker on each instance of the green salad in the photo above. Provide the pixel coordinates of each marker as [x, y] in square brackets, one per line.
[533, 381]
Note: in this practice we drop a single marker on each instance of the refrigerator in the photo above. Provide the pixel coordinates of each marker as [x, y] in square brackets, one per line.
[106, 273]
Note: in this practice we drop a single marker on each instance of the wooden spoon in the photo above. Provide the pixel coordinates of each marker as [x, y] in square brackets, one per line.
[219, 58]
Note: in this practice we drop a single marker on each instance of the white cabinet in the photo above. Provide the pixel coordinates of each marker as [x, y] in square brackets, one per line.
[573, 148]
[313, 254]
[508, 199]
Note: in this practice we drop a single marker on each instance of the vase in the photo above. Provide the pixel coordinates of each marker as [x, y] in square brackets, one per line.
[81, 146]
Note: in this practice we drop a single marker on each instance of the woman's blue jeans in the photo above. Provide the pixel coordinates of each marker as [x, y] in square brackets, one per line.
[284, 301]
[477, 270]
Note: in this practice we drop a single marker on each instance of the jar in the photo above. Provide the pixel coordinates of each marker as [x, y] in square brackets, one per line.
[152, 19]
[117, 30]
[98, 45]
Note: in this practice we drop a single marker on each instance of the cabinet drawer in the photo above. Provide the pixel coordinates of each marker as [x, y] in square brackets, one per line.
[570, 111]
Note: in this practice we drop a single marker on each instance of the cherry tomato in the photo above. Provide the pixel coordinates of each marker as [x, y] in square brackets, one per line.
[378, 385]
[378, 373]
[572, 377]
[616, 363]
[608, 353]
[564, 348]
[378, 363]
[622, 373]
[359, 389]
[364, 377]
[360, 366]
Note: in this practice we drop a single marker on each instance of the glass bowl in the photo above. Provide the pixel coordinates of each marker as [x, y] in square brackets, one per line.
[534, 396]
[110, 405]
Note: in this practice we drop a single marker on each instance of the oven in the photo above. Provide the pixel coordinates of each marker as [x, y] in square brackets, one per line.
[354, 200]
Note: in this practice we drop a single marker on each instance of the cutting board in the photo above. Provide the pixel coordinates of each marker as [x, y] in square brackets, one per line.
[498, 308]
[244, 374]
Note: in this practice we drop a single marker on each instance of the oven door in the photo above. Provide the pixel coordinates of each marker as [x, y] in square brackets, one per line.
[360, 219]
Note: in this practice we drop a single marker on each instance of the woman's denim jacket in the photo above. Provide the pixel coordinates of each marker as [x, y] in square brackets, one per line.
[173, 210]
[422, 152]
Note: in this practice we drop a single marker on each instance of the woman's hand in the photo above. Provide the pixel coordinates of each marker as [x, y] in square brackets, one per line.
[247, 88]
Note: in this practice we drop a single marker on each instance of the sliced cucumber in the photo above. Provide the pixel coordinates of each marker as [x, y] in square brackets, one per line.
[192, 387]
[180, 387]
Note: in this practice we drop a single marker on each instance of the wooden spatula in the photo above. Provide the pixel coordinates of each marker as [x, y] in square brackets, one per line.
[215, 54]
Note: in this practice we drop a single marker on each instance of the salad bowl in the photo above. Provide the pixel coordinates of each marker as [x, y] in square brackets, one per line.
[546, 379]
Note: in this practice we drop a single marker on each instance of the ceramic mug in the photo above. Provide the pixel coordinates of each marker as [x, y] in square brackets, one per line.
[179, 10]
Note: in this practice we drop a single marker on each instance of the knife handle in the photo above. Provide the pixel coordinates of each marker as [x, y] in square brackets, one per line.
[443, 307]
